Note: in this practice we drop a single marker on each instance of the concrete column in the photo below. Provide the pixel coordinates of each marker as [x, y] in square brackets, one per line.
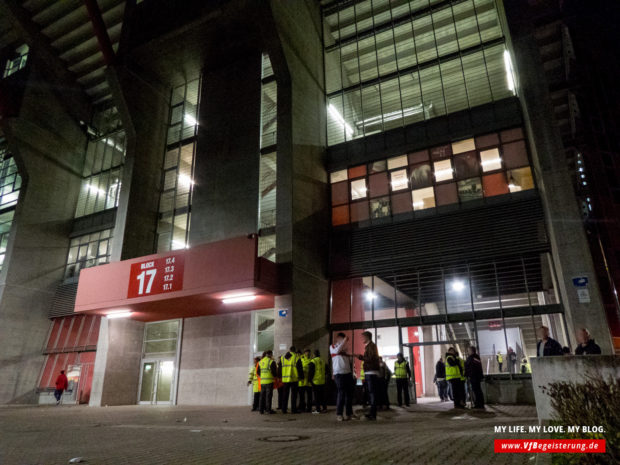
[225, 197]
[48, 147]
[283, 328]
[116, 374]
[302, 222]
[570, 249]
[143, 107]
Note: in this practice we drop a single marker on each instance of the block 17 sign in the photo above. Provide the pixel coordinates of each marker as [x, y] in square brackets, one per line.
[156, 276]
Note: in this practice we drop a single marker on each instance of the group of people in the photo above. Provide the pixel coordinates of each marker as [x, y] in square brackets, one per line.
[295, 375]
[456, 377]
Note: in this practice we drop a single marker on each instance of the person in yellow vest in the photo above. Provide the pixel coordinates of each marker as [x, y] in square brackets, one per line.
[525, 366]
[267, 371]
[291, 367]
[305, 385]
[254, 380]
[500, 360]
[402, 375]
[455, 375]
[364, 386]
[317, 377]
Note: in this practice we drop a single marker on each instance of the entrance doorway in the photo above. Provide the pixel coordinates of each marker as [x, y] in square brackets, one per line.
[157, 381]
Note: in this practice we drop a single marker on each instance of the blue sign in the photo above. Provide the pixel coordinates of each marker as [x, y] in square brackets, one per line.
[580, 281]
[282, 313]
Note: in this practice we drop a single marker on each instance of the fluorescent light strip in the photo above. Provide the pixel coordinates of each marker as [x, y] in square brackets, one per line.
[238, 299]
[333, 111]
[119, 315]
[416, 109]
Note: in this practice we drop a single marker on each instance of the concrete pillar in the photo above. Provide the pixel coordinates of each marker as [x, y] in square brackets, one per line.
[116, 375]
[283, 327]
[143, 107]
[226, 173]
[48, 147]
[570, 249]
[302, 223]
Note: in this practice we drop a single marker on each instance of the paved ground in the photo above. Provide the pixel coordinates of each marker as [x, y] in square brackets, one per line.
[430, 433]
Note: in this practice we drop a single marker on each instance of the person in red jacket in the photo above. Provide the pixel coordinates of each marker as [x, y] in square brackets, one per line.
[62, 383]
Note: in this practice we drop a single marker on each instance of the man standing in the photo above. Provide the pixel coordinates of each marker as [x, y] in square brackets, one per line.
[316, 375]
[267, 371]
[512, 360]
[547, 346]
[62, 383]
[500, 360]
[440, 379]
[305, 386]
[341, 369]
[291, 371]
[402, 375]
[372, 367]
[586, 346]
[455, 374]
[385, 375]
[473, 371]
[254, 380]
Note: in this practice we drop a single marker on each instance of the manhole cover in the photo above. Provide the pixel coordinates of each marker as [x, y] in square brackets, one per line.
[284, 438]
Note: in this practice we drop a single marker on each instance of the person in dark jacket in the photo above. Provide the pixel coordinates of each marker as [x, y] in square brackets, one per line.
[455, 374]
[547, 346]
[385, 375]
[440, 380]
[62, 383]
[586, 346]
[473, 372]
[372, 367]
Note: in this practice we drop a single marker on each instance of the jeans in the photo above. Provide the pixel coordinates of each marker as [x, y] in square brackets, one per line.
[305, 398]
[319, 397]
[402, 389]
[344, 384]
[290, 388]
[58, 394]
[374, 386]
[442, 387]
[477, 392]
[266, 397]
[256, 401]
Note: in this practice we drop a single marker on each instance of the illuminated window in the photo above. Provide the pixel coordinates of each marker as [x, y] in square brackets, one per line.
[399, 180]
[338, 176]
[88, 250]
[490, 160]
[18, 61]
[358, 189]
[463, 146]
[397, 162]
[423, 198]
[443, 170]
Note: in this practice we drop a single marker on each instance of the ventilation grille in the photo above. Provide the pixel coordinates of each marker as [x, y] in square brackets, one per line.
[63, 302]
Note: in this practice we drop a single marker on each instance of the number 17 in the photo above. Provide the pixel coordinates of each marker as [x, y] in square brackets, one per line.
[151, 274]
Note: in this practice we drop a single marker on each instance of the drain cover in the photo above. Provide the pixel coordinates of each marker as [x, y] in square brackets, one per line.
[284, 438]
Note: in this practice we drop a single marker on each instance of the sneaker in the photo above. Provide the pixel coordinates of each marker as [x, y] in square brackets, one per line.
[57, 402]
[315, 412]
[339, 418]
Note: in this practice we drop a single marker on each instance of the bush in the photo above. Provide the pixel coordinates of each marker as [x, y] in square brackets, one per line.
[593, 403]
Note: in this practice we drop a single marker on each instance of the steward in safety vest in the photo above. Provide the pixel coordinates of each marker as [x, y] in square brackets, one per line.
[317, 377]
[305, 361]
[305, 386]
[455, 375]
[254, 380]
[500, 360]
[525, 366]
[402, 373]
[362, 375]
[267, 371]
[291, 367]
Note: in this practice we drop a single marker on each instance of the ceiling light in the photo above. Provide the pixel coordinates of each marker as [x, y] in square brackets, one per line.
[370, 296]
[238, 299]
[458, 285]
[119, 314]
[510, 79]
[189, 120]
[333, 111]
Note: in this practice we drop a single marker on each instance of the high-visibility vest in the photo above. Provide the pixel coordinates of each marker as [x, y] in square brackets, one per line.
[362, 375]
[319, 371]
[305, 361]
[400, 369]
[500, 359]
[265, 371]
[255, 379]
[289, 369]
[453, 372]
[525, 367]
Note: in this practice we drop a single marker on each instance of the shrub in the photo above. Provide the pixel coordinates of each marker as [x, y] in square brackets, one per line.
[593, 403]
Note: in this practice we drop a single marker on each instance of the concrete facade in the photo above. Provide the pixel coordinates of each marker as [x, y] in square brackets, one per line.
[48, 146]
[214, 360]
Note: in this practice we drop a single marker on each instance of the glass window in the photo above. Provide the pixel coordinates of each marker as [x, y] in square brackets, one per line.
[512, 134]
[495, 184]
[446, 194]
[6, 220]
[466, 145]
[490, 160]
[443, 170]
[338, 176]
[423, 198]
[264, 324]
[515, 154]
[359, 211]
[397, 162]
[358, 189]
[443, 151]
[520, 179]
[340, 193]
[418, 157]
[421, 175]
[380, 208]
[88, 250]
[466, 165]
[10, 180]
[401, 203]
[377, 166]
[470, 189]
[340, 215]
[161, 337]
[399, 180]
[357, 171]
[17, 61]
[487, 140]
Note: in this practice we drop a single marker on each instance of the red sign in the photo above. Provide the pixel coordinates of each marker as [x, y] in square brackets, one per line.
[156, 276]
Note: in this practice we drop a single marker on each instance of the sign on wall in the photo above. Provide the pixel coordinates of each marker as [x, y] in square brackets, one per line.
[156, 276]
